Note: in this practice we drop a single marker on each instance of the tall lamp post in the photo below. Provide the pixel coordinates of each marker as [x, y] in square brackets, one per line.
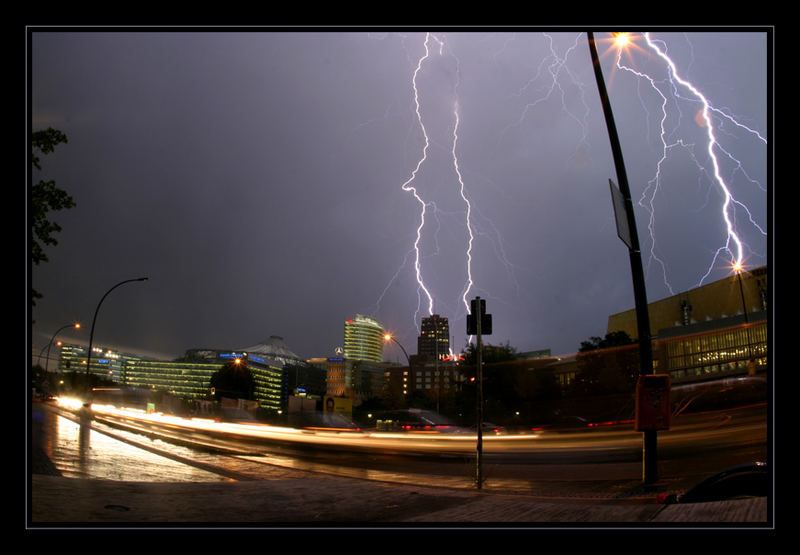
[739, 269]
[91, 334]
[390, 337]
[628, 221]
[76, 325]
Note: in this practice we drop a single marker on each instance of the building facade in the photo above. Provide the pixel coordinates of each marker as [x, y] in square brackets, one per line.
[741, 294]
[727, 347]
[715, 330]
[442, 376]
[357, 380]
[190, 376]
[363, 339]
[106, 363]
[434, 338]
[424, 375]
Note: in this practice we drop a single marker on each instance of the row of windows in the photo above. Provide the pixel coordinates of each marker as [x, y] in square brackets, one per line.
[429, 386]
[732, 351]
[733, 367]
[729, 345]
[721, 341]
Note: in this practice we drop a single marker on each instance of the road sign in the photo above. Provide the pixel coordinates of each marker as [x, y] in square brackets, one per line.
[478, 308]
[620, 214]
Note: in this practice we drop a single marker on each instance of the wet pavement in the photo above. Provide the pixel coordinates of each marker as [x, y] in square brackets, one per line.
[318, 501]
[284, 497]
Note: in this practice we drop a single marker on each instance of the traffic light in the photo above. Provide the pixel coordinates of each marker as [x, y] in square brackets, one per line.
[478, 309]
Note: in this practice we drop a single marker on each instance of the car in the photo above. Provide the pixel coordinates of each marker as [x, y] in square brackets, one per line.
[563, 424]
[489, 428]
[414, 420]
[317, 420]
[738, 482]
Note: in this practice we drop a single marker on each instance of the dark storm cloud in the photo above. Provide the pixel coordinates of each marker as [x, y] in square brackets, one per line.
[255, 178]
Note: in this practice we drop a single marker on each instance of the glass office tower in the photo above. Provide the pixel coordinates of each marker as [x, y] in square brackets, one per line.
[363, 339]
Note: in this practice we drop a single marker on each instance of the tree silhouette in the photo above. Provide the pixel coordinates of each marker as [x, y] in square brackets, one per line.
[607, 365]
[45, 197]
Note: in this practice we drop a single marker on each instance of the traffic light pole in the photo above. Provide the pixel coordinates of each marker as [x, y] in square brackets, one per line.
[479, 396]
[478, 324]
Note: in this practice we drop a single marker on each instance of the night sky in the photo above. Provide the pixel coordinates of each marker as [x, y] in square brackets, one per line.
[263, 181]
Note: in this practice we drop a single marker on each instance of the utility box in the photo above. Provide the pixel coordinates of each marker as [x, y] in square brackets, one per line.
[652, 403]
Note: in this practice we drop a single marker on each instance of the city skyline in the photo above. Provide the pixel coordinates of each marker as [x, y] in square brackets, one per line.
[282, 352]
[261, 180]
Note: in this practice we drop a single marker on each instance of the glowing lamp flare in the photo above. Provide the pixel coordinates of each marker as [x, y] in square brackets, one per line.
[622, 39]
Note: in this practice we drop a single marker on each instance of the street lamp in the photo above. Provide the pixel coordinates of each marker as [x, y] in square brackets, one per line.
[628, 223]
[91, 333]
[76, 325]
[389, 337]
[739, 269]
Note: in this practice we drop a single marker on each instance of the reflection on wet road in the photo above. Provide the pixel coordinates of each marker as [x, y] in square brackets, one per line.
[82, 452]
[134, 447]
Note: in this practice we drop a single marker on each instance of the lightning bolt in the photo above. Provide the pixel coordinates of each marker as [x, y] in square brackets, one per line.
[408, 187]
[462, 192]
[556, 66]
[552, 82]
[734, 244]
[423, 290]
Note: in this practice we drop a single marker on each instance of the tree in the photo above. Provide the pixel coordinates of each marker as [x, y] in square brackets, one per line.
[605, 366]
[499, 387]
[45, 197]
[490, 354]
[234, 380]
[612, 339]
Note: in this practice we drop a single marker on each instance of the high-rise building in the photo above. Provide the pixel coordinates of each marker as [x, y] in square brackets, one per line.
[434, 338]
[363, 339]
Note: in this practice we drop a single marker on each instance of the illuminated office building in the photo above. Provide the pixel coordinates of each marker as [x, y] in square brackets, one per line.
[714, 330]
[363, 339]
[106, 363]
[434, 338]
[190, 376]
[184, 379]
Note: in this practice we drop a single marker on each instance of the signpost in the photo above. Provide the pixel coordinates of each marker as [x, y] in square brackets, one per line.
[620, 215]
[479, 323]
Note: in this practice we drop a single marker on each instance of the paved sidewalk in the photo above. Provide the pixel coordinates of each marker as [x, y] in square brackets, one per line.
[318, 501]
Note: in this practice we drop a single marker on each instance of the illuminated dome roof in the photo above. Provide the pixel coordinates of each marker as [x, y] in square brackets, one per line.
[274, 347]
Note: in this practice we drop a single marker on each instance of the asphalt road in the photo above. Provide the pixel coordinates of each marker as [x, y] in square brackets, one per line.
[263, 493]
[696, 447]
